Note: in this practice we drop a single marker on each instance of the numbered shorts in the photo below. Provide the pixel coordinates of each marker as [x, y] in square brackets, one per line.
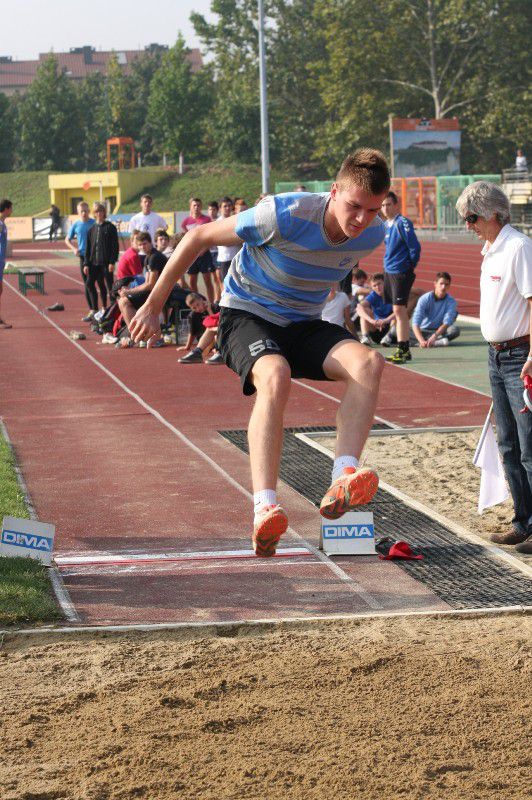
[397, 286]
[243, 338]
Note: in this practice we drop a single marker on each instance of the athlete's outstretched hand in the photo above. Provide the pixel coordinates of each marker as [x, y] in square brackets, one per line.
[144, 325]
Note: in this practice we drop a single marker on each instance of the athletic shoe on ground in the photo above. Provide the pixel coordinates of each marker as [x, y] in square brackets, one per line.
[191, 358]
[365, 339]
[400, 357]
[215, 359]
[5, 325]
[268, 526]
[387, 341]
[77, 335]
[443, 341]
[88, 317]
[108, 338]
[159, 343]
[355, 487]
[56, 307]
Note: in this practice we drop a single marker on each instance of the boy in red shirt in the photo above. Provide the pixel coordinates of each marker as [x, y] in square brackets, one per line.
[130, 263]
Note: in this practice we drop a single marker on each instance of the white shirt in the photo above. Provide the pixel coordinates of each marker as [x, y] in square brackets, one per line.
[333, 311]
[227, 253]
[147, 223]
[505, 283]
[520, 162]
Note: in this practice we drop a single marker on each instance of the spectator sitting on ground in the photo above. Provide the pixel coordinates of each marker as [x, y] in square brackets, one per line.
[131, 299]
[200, 309]
[435, 314]
[205, 344]
[129, 263]
[147, 221]
[337, 310]
[203, 263]
[376, 316]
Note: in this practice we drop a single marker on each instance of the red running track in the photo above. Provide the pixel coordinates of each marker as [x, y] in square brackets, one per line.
[120, 449]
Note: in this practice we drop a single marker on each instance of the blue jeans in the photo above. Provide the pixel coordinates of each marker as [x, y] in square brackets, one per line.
[514, 430]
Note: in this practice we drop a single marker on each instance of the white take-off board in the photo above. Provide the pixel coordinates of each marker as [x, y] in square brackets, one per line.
[350, 535]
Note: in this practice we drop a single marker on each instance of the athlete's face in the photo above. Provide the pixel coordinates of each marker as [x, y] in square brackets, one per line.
[354, 208]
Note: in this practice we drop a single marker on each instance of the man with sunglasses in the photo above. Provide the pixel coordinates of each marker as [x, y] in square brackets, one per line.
[506, 323]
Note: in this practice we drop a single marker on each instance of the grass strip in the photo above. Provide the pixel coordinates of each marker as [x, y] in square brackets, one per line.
[25, 591]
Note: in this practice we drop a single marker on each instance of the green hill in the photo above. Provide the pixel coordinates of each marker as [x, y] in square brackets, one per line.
[28, 191]
[30, 194]
[210, 182]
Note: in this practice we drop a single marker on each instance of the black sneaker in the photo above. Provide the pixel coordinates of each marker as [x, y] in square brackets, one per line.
[400, 357]
[56, 307]
[194, 357]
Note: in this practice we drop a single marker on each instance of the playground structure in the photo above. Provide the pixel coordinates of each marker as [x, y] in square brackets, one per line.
[125, 153]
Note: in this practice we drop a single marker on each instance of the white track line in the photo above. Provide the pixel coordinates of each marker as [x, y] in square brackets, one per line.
[351, 584]
[455, 527]
[218, 628]
[60, 590]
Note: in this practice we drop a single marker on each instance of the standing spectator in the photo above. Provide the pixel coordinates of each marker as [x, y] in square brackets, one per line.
[213, 211]
[506, 323]
[147, 221]
[240, 205]
[521, 164]
[435, 315]
[203, 263]
[6, 209]
[80, 231]
[55, 222]
[100, 258]
[225, 253]
[400, 259]
[376, 315]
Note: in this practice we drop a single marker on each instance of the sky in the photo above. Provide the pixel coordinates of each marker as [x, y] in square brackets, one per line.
[117, 25]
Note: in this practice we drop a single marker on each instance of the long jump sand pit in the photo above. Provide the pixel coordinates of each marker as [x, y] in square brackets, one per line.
[418, 707]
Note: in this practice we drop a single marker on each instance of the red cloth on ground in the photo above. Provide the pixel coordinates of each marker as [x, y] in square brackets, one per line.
[129, 264]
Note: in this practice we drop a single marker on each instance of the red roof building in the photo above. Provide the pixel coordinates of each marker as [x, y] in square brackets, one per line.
[16, 76]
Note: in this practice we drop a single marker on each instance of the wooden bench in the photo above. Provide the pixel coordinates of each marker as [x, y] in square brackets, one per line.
[31, 279]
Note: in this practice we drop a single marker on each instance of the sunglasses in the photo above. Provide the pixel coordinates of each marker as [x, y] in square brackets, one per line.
[471, 218]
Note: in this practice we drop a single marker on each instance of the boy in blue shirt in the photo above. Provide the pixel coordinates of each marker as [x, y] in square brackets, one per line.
[376, 315]
[80, 232]
[294, 248]
[435, 314]
[402, 254]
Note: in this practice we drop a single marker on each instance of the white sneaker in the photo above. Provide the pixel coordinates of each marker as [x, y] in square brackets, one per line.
[443, 341]
[108, 338]
[386, 341]
[365, 340]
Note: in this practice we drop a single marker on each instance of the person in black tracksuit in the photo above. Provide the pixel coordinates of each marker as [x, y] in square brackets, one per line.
[101, 255]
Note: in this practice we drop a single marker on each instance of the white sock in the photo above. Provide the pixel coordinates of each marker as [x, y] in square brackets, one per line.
[341, 463]
[266, 497]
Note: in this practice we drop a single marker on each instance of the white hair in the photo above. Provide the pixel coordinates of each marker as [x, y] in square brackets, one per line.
[485, 199]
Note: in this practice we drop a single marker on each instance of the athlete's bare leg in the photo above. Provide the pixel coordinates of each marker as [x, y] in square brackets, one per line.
[271, 377]
[360, 369]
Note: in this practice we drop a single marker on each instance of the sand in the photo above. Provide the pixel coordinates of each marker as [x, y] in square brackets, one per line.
[419, 708]
[437, 470]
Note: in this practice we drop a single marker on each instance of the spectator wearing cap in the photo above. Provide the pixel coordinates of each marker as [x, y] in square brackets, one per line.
[506, 323]
[435, 315]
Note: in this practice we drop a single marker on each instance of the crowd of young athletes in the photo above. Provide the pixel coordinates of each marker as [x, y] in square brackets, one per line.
[381, 308]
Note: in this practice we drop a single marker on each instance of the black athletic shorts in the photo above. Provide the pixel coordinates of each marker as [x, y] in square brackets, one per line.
[202, 264]
[397, 286]
[137, 299]
[243, 338]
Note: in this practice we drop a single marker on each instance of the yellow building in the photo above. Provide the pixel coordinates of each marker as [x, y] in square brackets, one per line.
[114, 188]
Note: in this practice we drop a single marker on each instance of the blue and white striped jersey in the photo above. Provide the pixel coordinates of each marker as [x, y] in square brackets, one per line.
[287, 265]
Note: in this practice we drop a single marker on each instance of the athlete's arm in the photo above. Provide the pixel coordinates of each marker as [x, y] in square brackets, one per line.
[145, 323]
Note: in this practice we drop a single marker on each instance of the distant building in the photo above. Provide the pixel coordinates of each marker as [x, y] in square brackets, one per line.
[17, 76]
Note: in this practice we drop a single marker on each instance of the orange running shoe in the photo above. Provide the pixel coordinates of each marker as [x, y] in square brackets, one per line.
[269, 525]
[355, 487]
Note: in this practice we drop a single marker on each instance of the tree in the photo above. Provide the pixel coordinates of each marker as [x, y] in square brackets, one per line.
[179, 105]
[430, 58]
[49, 123]
[8, 123]
[94, 128]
